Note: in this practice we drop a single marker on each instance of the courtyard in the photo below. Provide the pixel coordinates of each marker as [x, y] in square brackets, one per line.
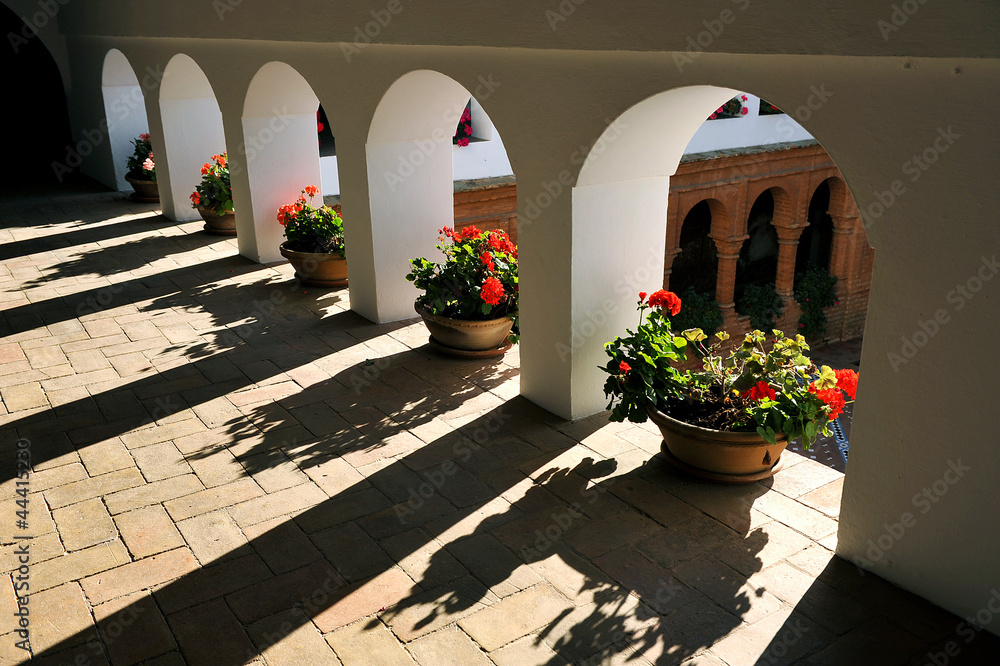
[229, 468]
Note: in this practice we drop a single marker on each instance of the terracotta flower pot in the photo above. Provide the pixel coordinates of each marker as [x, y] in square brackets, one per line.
[221, 225]
[317, 269]
[727, 457]
[146, 190]
[467, 337]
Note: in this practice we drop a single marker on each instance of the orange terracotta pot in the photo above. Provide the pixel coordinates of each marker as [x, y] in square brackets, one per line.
[317, 269]
[728, 457]
[466, 335]
[220, 225]
[146, 190]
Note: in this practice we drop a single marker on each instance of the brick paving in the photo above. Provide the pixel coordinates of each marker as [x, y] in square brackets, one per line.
[231, 468]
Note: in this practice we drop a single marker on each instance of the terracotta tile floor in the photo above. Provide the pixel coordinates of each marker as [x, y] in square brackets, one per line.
[231, 468]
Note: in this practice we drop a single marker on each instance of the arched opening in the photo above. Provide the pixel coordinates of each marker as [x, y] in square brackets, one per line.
[697, 264]
[192, 132]
[413, 163]
[124, 109]
[816, 241]
[758, 261]
[282, 147]
[37, 143]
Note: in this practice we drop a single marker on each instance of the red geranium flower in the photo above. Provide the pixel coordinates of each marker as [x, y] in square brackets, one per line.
[760, 391]
[464, 141]
[667, 300]
[834, 399]
[319, 127]
[487, 260]
[624, 367]
[312, 190]
[492, 291]
[847, 381]
[470, 232]
[642, 296]
[205, 168]
[195, 198]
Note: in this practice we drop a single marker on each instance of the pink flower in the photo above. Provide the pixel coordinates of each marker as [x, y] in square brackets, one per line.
[464, 141]
[743, 97]
[744, 111]
[144, 136]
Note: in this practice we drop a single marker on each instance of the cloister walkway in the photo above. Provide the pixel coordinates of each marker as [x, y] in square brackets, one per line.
[231, 468]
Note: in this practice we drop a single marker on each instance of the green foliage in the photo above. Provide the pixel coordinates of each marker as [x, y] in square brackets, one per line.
[215, 192]
[478, 279]
[311, 229]
[699, 311]
[814, 290]
[770, 391]
[762, 303]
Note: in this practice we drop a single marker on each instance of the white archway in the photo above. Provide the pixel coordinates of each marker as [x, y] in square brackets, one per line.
[192, 133]
[410, 186]
[124, 109]
[282, 152]
[626, 178]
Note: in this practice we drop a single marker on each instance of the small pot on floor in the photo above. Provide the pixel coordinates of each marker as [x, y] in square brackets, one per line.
[317, 269]
[220, 225]
[146, 190]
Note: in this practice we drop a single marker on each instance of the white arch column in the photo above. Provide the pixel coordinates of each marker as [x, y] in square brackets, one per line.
[192, 133]
[617, 235]
[410, 185]
[124, 110]
[281, 153]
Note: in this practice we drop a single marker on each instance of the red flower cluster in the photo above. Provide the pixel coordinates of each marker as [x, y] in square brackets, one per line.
[195, 198]
[833, 397]
[311, 190]
[642, 296]
[319, 125]
[492, 291]
[487, 260]
[289, 211]
[205, 168]
[470, 232]
[667, 300]
[624, 367]
[499, 241]
[760, 391]
[847, 381]
[144, 136]
[220, 159]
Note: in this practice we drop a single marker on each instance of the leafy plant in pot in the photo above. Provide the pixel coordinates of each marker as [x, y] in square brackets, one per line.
[314, 241]
[142, 171]
[470, 300]
[213, 197]
[731, 419]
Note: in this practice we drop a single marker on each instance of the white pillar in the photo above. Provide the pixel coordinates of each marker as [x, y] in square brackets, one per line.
[192, 133]
[126, 115]
[619, 232]
[411, 194]
[281, 160]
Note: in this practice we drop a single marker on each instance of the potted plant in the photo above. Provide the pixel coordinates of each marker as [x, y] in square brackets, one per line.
[213, 197]
[314, 241]
[469, 302]
[142, 171]
[731, 419]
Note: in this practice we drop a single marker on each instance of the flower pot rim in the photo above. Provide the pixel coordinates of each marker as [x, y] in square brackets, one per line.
[288, 252]
[129, 177]
[728, 437]
[206, 209]
[423, 311]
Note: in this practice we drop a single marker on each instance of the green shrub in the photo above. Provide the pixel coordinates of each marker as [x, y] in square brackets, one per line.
[762, 303]
[814, 290]
[698, 311]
